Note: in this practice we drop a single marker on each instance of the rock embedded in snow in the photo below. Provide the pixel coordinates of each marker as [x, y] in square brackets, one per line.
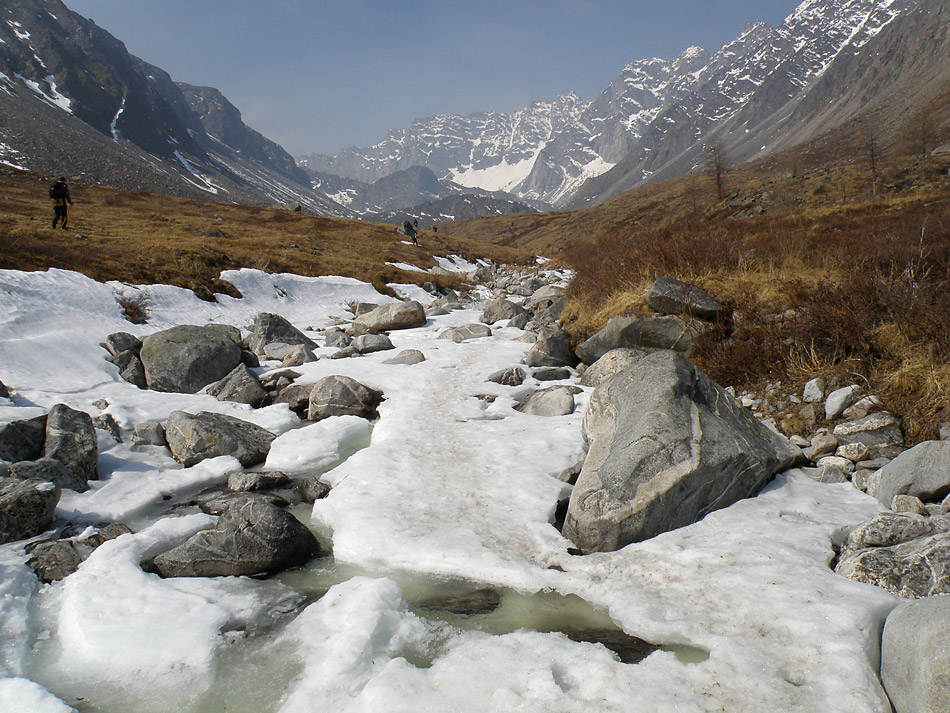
[240, 386]
[667, 446]
[106, 422]
[250, 538]
[149, 433]
[841, 399]
[218, 503]
[71, 439]
[337, 338]
[4, 391]
[297, 355]
[407, 356]
[296, 396]
[342, 396]
[519, 321]
[641, 332]
[192, 438]
[667, 295]
[58, 559]
[22, 440]
[551, 373]
[51, 470]
[553, 401]
[134, 373]
[613, 362]
[27, 508]
[466, 332]
[553, 348]
[912, 569]
[398, 315]
[514, 376]
[372, 343]
[500, 308]
[915, 656]
[119, 342]
[312, 489]
[268, 328]
[187, 358]
[923, 471]
[251, 482]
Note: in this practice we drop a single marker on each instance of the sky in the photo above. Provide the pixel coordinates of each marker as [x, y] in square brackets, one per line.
[317, 76]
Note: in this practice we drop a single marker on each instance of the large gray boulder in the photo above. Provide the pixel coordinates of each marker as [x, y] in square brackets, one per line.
[913, 569]
[240, 386]
[371, 343]
[500, 308]
[613, 362]
[915, 656]
[668, 295]
[26, 508]
[71, 439]
[667, 446]
[187, 358]
[553, 348]
[192, 438]
[553, 401]
[922, 471]
[22, 440]
[342, 396]
[269, 328]
[641, 332]
[407, 356]
[398, 315]
[252, 537]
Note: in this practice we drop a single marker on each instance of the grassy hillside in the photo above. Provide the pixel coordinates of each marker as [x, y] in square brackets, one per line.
[143, 237]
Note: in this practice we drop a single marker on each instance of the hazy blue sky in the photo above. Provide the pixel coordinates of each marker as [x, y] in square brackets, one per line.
[320, 75]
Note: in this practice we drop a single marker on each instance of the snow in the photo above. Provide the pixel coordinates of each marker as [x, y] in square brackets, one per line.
[405, 266]
[455, 263]
[203, 182]
[502, 176]
[54, 97]
[450, 483]
[115, 120]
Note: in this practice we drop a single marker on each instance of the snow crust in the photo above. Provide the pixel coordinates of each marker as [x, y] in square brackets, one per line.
[450, 484]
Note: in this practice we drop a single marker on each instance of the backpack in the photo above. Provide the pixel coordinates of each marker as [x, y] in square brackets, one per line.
[57, 191]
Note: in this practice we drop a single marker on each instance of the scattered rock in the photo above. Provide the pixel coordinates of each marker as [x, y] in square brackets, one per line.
[71, 439]
[123, 342]
[240, 386]
[342, 396]
[371, 343]
[187, 358]
[4, 391]
[50, 470]
[878, 429]
[268, 328]
[398, 315]
[337, 338]
[479, 601]
[500, 308]
[915, 656]
[918, 568]
[407, 356]
[862, 408]
[909, 504]
[668, 295]
[922, 471]
[134, 373]
[814, 391]
[553, 401]
[514, 376]
[297, 355]
[26, 508]
[106, 422]
[551, 373]
[271, 378]
[296, 396]
[22, 440]
[53, 561]
[465, 332]
[667, 446]
[149, 433]
[553, 348]
[840, 399]
[250, 538]
[192, 438]
[216, 504]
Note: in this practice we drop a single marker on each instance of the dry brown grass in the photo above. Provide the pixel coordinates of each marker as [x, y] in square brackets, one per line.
[139, 237]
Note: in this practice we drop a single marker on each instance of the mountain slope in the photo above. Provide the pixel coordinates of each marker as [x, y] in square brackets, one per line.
[74, 101]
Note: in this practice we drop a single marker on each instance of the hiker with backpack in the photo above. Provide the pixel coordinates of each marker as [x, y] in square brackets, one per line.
[59, 195]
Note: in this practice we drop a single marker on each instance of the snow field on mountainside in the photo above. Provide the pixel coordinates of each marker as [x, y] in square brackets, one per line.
[451, 483]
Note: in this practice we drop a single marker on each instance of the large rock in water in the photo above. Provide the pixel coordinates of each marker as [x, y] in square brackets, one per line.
[26, 508]
[251, 537]
[915, 656]
[667, 446]
[192, 438]
[71, 439]
[398, 315]
[187, 358]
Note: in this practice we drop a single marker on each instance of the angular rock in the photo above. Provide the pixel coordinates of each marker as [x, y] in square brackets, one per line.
[270, 379]
[640, 332]
[296, 396]
[312, 489]
[551, 373]
[337, 338]
[668, 295]
[840, 399]
[553, 348]
[918, 568]
[814, 391]
[407, 356]
[71, 439]
[250, 538]
[217, 504]
[106, 422]
[548, 312]
[910, 505]
[837, 464]
[500, 308]
[27, 508]
[149, 433]
[667, 446]
[519, 321]
[915, 656]
[192, 438]
[878, 429]
[887, 529]
[187, 358]
[862, 407]
[250, 482]
[50, 470]
[854, 452]
[268, 328]
[514, 376]
[123, 342]
[53, 561]
[4, 391]
[22, 440]
[922, 471]
[276, 351]
[613, 362]
[134, 373]
[398, 315]
[342, 396]
[240, 386]
[465, 332]
[371, 343]
[297, 355]
[553, 401]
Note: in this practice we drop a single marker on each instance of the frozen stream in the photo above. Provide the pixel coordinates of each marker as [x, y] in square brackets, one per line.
[450, 485]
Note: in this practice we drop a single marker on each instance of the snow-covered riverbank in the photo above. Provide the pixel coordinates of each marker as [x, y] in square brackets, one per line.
[451, 483]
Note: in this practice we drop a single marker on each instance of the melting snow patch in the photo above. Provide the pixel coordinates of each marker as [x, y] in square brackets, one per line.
[454, 263]
[405, 266]
[205, 184]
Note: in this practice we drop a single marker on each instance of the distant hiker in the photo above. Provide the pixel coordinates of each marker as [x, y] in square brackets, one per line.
[410, 230]
[59, 195]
